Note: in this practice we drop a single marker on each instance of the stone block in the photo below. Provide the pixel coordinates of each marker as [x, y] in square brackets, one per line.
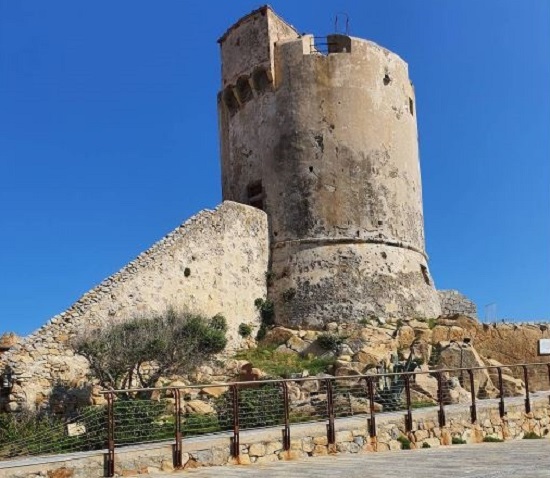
[257, 449]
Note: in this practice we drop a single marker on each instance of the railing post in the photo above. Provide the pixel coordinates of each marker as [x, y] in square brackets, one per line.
[110, 468]
[473, 410]
[548, 366]
[441, 412]
[286, 429]
[501, 408]
[408, 415]
[235, 445]
[372, 424]
[527, 398]
[177, 430]
[331, 434]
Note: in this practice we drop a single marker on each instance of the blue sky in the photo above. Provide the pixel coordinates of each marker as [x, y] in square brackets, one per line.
[108, 137]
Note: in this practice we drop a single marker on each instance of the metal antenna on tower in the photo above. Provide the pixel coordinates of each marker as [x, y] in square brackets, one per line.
[346, 17]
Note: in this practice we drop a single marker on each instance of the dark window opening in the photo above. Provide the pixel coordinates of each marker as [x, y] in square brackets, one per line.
[387, 79]
[261, 80]
[230, 100]
[311, 169]
[255, 189]
[259, 204]
[255, 193]
[425, 274]
[411, 106]
[243, 89]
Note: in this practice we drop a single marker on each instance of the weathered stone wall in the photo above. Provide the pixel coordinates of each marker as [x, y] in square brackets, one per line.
[453, 302]
[328, 148]
[213, 263]
[263, 446]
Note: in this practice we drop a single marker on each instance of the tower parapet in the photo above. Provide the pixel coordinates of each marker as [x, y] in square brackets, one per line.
[326, 144]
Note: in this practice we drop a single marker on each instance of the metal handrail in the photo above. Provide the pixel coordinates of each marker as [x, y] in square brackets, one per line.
[304, 379]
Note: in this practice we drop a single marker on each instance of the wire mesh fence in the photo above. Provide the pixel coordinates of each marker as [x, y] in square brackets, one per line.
[31, 434]
[173, 414]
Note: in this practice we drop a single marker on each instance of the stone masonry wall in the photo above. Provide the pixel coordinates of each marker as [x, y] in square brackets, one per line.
[213, 263]
[453, 302]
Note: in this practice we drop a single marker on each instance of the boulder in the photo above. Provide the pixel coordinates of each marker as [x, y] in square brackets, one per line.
[199, 407]
[461, 355]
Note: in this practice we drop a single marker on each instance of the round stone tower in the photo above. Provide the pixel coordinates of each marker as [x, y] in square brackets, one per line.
[321, 134]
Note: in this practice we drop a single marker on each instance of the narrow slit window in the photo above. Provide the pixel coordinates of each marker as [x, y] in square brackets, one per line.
[411, 106]
[255, 193]
[425, 274]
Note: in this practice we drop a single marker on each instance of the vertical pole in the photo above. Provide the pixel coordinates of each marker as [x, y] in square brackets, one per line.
[331, 435]
[473, 410]
[372, 424]
[548, 365]
[286, 429]
[441, 412]
[408, 415]
[236, 445]
[501, 408]
[177, 430]
[527, 398]
[110, 435]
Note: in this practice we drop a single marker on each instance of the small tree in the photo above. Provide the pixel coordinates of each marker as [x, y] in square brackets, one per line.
[143, 349]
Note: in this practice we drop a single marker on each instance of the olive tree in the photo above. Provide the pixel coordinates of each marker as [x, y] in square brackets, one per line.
[143, 349]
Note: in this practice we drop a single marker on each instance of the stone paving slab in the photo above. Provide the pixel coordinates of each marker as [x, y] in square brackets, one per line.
[518, 459]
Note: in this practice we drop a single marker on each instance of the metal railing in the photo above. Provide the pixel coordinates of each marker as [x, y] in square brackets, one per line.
[233, 407]
[172, 414]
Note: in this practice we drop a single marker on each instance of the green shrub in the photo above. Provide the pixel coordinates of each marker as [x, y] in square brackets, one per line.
[245, 330]
[426, 445]
[458, 441]
[219, 322]
[280, 364]
[432, 323]
[266, 308]
[259, 406]
[328, 341]
[531, 436]
[491, 439]
[262, 332]
[269, 278]
[422, 404]
[405, 442]
[147, 348]
[196, 424]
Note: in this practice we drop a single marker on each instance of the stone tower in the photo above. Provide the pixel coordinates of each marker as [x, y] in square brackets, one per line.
[321, 134]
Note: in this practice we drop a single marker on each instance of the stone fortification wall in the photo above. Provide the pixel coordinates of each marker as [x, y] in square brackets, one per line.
[327, 145]
[453, 302]
[213, 263]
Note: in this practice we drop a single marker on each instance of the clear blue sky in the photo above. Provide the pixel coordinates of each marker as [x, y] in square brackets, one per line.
[108, 137]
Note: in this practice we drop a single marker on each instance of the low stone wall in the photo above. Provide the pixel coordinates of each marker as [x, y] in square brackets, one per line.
[213, 263]
[310, 439]
[453, 302]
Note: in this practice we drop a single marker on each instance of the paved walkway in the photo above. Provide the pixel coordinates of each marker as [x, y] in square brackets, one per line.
[518, 459]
